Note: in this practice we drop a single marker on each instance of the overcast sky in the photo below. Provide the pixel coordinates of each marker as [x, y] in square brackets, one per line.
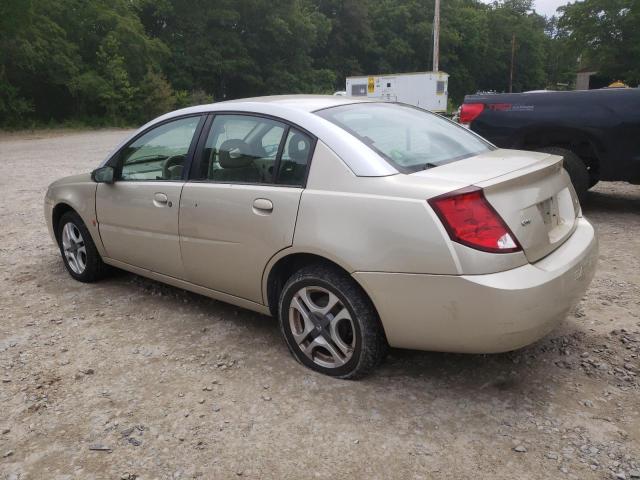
[548, 7]
[544, 7]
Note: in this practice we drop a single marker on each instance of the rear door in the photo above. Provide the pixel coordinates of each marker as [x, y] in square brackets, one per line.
[138, 213]
[240, 206]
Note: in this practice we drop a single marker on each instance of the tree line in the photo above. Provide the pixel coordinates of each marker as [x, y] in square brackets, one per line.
[121, 62]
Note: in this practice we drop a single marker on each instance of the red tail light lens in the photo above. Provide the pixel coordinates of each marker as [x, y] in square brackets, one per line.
[470, 111]
[471, 220]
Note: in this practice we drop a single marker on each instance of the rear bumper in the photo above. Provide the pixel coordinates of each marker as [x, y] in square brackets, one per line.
[484, 313]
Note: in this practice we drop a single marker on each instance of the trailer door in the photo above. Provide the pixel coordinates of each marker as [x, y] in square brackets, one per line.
[388, 88]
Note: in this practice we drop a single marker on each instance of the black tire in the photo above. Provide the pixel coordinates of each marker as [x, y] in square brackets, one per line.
[369, 345]
[94, 268]
[576, 168]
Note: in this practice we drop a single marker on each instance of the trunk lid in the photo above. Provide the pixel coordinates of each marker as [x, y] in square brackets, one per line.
[531, 192]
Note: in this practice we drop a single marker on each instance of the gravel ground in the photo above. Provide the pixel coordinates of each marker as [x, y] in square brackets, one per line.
[128, 378]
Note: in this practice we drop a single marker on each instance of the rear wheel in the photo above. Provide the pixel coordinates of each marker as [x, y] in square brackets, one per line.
[79, 253]
[329, 323]
[576, 168]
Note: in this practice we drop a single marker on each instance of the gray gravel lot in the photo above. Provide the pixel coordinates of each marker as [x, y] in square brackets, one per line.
[128, 378]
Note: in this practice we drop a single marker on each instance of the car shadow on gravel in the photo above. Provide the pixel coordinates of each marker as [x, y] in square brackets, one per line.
[512, 375]
[502, 372]
[197, 304]
[614, 202]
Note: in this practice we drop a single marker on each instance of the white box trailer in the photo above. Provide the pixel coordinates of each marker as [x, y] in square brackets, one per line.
[428, 90]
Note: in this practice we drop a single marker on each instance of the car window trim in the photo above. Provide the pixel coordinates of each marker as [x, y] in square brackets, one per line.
[276, 165]
[197, 158]
[115, 158]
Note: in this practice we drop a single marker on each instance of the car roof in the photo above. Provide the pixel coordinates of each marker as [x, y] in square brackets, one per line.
[302, 103]
[299, 111]
[307, 103]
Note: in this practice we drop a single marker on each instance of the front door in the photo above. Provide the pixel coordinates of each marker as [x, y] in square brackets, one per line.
[138, 213]
[240, 207]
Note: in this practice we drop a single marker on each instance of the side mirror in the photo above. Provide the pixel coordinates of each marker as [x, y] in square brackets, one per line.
[102, 175]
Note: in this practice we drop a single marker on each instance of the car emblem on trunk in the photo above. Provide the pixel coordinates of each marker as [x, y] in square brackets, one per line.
[525, 222]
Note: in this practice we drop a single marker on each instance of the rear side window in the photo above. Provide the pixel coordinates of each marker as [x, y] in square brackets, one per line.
[248, 149]
[295, 158]
[409, 138]
[241, 149]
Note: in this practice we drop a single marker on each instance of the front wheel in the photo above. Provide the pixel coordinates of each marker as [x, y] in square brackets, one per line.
[79, 253]
[329, 323]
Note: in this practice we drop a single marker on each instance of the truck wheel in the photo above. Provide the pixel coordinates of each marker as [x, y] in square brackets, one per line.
[576, 169]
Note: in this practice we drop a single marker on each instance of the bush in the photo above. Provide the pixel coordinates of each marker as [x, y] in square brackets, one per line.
[189, 99]
[154, 97]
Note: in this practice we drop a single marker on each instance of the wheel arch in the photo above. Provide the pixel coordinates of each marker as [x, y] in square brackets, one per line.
[582, 143]
[56, 214]
[285, 263]
[66, 204]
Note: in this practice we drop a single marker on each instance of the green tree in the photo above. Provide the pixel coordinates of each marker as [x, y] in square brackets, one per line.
[64, 58]
[606, 34]
[561, 58]
[117, 98]
[154, 96]
[124, 61]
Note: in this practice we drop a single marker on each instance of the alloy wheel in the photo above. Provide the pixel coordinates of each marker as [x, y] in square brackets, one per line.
[74, 248]
[322, 326]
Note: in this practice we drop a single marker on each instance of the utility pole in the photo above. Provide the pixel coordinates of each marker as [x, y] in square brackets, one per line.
[436, 37]
[513, 56]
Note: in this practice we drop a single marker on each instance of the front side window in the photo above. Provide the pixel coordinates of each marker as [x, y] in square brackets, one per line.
[247, 149]
[159, 154]
[409, 138]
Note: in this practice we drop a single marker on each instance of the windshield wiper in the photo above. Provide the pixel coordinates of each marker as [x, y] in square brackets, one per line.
[427, 166]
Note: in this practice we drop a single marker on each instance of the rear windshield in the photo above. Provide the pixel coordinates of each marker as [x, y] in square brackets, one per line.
[409, 138]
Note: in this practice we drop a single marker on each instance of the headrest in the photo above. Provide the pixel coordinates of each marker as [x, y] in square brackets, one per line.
[234, 154]
[298, 147]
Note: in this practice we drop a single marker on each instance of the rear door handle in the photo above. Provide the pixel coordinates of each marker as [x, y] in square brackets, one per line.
[262, 206]
[161, 199]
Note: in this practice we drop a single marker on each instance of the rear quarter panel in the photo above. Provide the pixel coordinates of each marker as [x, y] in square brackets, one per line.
[371, 223]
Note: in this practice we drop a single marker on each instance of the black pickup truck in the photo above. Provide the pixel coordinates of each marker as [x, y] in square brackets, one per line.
[596, 131]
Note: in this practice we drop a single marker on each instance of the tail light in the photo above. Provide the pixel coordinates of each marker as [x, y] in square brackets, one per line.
[470, 111]
[471, 220]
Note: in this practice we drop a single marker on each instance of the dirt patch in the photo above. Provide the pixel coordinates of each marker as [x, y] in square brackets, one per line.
[128, 378]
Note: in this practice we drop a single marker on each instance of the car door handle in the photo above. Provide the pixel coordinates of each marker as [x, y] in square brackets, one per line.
[262, 206]
[161, 199]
